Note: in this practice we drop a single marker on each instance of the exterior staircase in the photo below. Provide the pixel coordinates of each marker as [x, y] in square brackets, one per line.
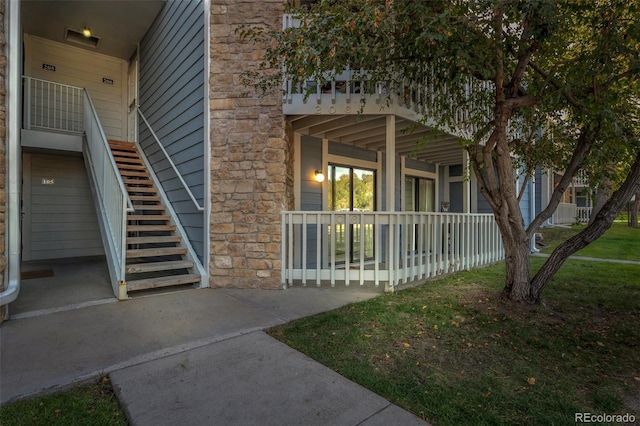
[155, 255]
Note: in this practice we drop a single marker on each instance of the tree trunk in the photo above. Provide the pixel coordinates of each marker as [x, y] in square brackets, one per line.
[518, 271]
[516, 256]
[603, 193]
[597, 226]
[633, 214]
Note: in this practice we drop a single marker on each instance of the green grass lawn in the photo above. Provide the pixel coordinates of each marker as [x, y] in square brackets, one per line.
[454, 352]
[93, 404]
[619, 242]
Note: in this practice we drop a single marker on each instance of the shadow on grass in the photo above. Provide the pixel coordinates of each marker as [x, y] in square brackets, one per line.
[454, 352]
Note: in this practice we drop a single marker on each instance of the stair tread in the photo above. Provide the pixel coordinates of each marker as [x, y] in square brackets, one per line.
[146, 189]
[152, 252]
[144, 197]
[150, 207]
[122, 166]
[158, 239]
[119, 143]
[137, 268]
[135, 173]
[129, 180]
[143, 228]
[153, 217]
[127, 160]
[124, 153]
[162, 281]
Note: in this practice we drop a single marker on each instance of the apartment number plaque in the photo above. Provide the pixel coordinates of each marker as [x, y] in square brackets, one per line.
[108, 81]
[49, 67]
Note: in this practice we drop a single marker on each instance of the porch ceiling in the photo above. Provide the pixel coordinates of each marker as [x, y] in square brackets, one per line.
[369, 131]
[120, 24]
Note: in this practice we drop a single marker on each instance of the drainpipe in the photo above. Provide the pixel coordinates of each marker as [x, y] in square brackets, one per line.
[12, 124]
[532, 206]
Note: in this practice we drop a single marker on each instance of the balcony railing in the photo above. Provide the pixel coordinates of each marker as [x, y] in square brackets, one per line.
[380, 247]
[344, 93]
[53, 106]
[581, 179]
[583, 214]
[565, 213]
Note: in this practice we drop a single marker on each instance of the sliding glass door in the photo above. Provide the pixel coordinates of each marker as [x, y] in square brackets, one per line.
[352, 189]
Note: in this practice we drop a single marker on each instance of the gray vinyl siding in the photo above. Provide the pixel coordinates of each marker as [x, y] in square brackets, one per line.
[172, 68]
[525, 202]
[60, 217]
[310, 161]
[81, 68]
[352, 152]
[538, 191]
[455, 192]
[413, 164]
[483, 204]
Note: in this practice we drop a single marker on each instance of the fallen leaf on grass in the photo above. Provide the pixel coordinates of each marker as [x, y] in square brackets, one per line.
[406, 345]
[637, 379]
[531, 380]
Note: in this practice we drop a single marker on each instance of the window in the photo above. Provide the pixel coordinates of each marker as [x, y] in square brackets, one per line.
[352, 189]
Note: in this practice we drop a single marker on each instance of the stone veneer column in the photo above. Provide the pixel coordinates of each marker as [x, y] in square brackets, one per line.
[3, 152]
[251, 154]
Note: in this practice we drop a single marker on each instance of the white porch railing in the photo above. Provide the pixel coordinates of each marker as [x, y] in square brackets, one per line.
[111, 197]
[565, 213]
[52, 106]
[583, 214]
[392, 248]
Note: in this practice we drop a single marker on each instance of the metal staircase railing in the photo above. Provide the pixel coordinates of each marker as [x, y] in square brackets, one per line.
[173, 166]
[110, 196]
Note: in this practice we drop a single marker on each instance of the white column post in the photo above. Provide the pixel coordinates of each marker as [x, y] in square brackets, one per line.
[390, 173]
[466, 183]
[390, 162]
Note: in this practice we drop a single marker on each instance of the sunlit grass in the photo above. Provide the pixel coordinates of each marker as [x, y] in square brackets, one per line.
[454, 352]
[83, 405]
[619, 242]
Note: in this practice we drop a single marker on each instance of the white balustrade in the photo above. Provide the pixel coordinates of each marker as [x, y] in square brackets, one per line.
[112, 199]
[583, 214]
[52, 106]
[381, 247]
[566, 213]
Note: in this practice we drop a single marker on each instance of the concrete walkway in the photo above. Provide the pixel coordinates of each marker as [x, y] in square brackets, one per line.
[195, 357]
[593, 259]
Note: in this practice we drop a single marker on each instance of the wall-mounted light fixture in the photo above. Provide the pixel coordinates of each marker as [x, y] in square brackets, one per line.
[86, 31]
[319, 176]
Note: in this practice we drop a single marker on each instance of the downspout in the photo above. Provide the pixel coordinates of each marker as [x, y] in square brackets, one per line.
[532, 206]
[12, 143]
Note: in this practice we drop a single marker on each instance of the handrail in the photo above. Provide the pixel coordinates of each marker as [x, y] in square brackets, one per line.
[110, 196]
[112, 160]
[175, 169]
[52, 106]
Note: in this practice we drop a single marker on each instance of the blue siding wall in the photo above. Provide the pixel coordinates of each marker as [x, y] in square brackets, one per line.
[538, 191]
[172, 68]
[483, 205]
[525, 202]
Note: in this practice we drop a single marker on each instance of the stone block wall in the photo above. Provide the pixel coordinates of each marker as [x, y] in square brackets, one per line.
[3, 151]
[251, 154]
